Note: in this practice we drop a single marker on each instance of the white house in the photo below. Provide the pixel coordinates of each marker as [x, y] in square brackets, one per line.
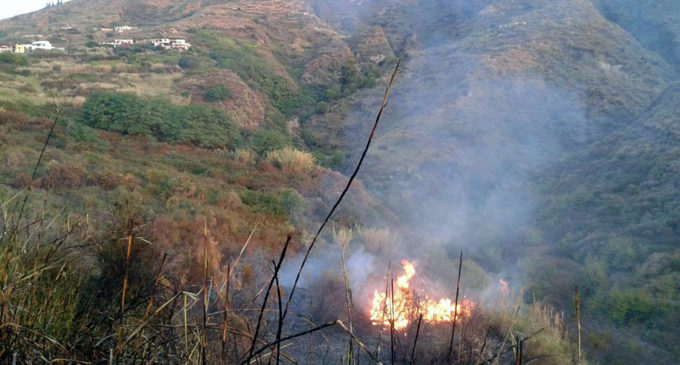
[123, 42]
[44, 45]
[4, 49]
[123, 28]
[160, 41]
[180, 44]
[168, 43]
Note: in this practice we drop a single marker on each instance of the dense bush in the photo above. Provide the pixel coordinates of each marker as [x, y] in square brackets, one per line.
[217, 93]
[197, 125]
[266, 140]
[189, 62]
[13, 59]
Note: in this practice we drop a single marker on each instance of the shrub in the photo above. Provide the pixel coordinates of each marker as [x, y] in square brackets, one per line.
[21, 180]
[198, 125]
[108, 180]
[626, 306]
[263, 202]
[293, 204]
[189, 62]
[289, 159]
[321, 107]
[204, 126]
[244, 157]
[336, 160]
[62, 176]
[217, 93]
[13, 59]
[265, 140]
[230, 200]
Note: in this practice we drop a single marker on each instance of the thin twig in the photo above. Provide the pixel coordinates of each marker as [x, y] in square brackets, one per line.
[415, 341]
[312, 330]
[455, 308]
[266, 297]
[37, 164]
[225, 323]
[344, 191]
[205, 291]
[358, 341]
[392, 320]
[348, 295]
[280, 325]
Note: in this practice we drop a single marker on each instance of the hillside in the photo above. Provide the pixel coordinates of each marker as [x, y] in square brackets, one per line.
[240, 91]
[536, 136]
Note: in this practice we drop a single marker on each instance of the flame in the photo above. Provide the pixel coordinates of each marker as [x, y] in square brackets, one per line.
[401, 306]
[504, 287]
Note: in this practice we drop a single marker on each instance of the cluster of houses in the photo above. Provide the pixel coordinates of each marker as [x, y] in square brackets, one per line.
[118, 29]
[35, 46]
[165, 43]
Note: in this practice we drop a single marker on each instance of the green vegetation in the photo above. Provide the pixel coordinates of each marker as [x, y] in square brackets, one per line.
[197, 125]
[217, 93]
[246, 60]
[605, 215]
[189, 62]
[13, 59]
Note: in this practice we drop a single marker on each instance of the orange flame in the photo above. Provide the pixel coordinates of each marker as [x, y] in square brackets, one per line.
[504, 287]
[401, 306]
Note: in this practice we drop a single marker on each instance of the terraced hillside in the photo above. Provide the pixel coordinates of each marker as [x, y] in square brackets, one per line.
[538, 136]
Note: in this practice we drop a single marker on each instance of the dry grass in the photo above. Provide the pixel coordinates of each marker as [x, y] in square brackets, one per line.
[291, 160]
[376, 240]
[245, 157]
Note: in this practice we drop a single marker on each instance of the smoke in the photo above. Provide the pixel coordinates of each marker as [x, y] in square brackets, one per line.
[491, 97]
[459, 151]
[461, 144]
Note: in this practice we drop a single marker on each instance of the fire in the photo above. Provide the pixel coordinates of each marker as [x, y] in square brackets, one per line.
[504, 287]
[402, 306]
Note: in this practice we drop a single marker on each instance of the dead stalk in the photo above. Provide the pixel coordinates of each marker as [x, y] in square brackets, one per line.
[392, 355]
[358, 341]
[125, 285]
[225, 323]
[205, 291]
[280, 324]
[300, 334]
[345, 190]
[348, 296]
[577, 304]
[415, 341]
[455, 308]
[266, 297]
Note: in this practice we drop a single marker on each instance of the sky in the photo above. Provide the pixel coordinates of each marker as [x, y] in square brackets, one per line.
[10, 8]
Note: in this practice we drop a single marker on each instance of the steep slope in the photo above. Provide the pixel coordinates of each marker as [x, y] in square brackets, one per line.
[523, 83]
[210, 133]
[654, 24]
[614, 207]
[494, 145]
[537, 135]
